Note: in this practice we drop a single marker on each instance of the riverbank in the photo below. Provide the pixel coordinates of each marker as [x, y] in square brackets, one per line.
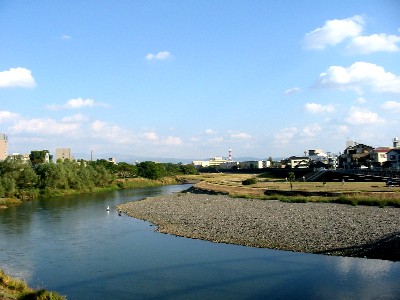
[12, 289]
[328, 228]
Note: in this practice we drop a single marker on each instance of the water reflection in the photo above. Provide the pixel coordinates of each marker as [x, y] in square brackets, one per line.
[73, 245]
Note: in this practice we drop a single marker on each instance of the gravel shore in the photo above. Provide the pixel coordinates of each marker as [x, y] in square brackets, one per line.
[334, 229]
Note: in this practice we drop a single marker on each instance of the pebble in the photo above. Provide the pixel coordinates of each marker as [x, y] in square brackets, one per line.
[304, 227]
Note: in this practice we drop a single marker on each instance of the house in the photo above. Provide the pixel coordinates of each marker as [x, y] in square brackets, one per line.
[298, 162]
[393, 156]
[379, 156]
[356, 156]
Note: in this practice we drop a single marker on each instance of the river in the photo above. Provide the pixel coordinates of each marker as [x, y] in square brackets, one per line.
[74, 246]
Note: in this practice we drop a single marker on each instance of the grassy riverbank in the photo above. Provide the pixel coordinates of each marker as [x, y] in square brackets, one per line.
[12, 288]
[130, 183]
[353, 193]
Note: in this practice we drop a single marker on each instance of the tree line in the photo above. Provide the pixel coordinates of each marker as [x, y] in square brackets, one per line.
[27, 179]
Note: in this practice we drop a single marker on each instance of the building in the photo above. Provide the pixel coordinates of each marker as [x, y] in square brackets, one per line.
[296, 162]
[393, 156]
[3, 146]
[356, 156]
[63, 154]
[379, 156]
[254, 164]
[214, 161]
[22, 157]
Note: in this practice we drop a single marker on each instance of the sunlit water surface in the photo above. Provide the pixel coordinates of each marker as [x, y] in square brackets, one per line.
[74, 246]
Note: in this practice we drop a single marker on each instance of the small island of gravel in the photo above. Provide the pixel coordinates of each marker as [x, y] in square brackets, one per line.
[334, 229]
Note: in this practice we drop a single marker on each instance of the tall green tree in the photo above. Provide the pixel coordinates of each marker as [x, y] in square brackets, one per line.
[39, 157]
[150, 170]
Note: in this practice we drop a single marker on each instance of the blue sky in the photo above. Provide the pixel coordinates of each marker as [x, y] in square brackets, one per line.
[191, 79]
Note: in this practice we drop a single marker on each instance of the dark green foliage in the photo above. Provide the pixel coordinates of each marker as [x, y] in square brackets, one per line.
[249, 181]
[151, 170]
[24, 180]
[38, 157]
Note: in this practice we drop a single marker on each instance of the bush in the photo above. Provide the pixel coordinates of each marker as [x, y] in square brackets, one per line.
[249, 181]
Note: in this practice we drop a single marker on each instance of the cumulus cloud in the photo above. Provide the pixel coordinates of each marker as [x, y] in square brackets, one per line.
[239, 135]
[316, 108]
[150, 135]
[106, 131]
[76, 104]
[173, 141]
[333, 32]
[210, 132]
[159, 56]
[43, 127]
[75, 118]
[374, 43]
[361, 116]
[311, 131]
[216, 140]
[293, 90]
[361, 100]
[285, 135]
[393, 106]
[17, 77]
[359, 75]
[7, 116]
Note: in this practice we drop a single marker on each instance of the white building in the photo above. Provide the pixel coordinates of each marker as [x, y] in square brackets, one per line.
[212, 162]
[3, 146]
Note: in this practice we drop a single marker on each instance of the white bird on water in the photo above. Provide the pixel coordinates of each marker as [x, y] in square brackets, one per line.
[108, 208]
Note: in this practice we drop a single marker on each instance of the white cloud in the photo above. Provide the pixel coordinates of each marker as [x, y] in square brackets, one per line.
[316, 108]
[392, 106]
[173, 141]
[341, 129]
[361, 116]
[75, 118]
[76, 104]
[107, 132]
[17, 77]
[210, 132]
[284, 136]
[333, 32]
[150, 135]
[359, 75]
[374, 43]
[239, 135]
[44, 127]
[293, 90]
[215, 140]
[311, 130]
[361, 100]
[7, 116]
[159, 56]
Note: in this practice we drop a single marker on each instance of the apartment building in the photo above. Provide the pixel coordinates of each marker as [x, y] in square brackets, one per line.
[3, 146]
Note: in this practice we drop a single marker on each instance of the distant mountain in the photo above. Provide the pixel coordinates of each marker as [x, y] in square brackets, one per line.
[133, 158]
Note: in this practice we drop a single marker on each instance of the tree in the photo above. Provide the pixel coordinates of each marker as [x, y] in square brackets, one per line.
[39, 157]
[291, 179]
[150, 170]
[125, 170]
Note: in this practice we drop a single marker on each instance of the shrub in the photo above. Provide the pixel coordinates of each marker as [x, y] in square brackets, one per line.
[249, 181]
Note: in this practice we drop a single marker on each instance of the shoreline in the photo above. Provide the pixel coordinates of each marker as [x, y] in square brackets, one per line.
[323, 228]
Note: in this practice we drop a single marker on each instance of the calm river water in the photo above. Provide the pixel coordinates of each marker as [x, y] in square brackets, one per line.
[74, 246]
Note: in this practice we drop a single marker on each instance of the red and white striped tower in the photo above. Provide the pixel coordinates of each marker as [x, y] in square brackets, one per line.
[230, 155]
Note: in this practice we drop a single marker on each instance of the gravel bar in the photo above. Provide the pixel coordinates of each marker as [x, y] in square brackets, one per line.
[334, 229]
